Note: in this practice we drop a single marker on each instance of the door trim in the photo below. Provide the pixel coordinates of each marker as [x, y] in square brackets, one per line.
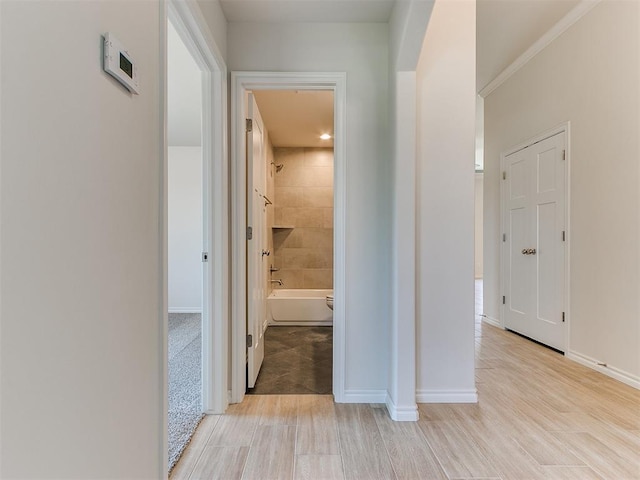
[566, 128]
[241, 82]
[193, 31]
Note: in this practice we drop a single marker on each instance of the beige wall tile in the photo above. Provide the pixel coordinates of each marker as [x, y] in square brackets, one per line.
[289, 197]
[328, 218]
[287, 238]
[318, 278]
[300, 217]
[289, 157]
[290, 278]
[317, 238]
[303, 193]
[293, 168]
[309, 217]
[318, 157]
[317, 197]
[301, 258]
[315, 177]
[286, 216]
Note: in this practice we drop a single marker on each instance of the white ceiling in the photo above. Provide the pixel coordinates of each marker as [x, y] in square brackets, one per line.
[297, 118]
[314, 11]
[505, 30]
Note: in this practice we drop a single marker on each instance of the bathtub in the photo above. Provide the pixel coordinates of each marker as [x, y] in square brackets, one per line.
[296, 307]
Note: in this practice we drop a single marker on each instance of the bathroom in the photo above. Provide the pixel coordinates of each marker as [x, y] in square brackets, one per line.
[299, 233]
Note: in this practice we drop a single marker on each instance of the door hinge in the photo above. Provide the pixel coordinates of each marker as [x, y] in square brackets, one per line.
[249, 125]
[563, 316]
[564, 236]
[249, 233]
[205, 256]
[504, 237]
[504, 300]
[504, 175]
[249, 341]
[564, 154]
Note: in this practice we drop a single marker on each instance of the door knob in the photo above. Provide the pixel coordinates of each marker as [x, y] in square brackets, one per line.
[525, 251]
[266, 253]
[532, 251]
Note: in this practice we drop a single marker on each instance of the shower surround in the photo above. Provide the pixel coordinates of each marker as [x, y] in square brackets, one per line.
[303, 218]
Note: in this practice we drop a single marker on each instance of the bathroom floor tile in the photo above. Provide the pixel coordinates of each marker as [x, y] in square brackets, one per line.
[297, 360]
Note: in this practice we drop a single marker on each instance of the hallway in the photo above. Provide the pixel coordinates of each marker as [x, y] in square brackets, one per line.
[540, 416]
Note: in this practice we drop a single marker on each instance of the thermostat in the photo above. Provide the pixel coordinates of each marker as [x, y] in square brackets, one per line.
[119, 63]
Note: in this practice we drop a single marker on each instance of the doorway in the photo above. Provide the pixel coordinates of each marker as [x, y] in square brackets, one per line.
[244, 84]
[290, 255]
[534, 242]
[207, 193]
[186, 294]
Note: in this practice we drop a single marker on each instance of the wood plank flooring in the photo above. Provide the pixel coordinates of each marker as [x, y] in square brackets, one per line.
[540, 416]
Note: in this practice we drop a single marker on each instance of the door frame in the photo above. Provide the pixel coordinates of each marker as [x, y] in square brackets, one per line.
[562, 128]
[193, 30]
[241, 83]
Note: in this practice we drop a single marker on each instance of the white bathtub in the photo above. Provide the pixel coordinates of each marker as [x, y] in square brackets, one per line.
[296, 307]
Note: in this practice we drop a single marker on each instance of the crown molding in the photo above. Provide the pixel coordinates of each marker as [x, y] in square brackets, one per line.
[554, 32]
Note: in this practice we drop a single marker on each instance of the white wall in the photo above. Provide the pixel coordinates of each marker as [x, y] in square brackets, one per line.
[185, 229]
[184, 93]
[214, 17]
[407, 27]
[446, 151]
[589, 76]
[361, 51]
[184, 136]
[478, 236]
[81, 365]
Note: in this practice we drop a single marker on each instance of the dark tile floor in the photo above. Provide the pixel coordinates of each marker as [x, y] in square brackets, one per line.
[296, 360]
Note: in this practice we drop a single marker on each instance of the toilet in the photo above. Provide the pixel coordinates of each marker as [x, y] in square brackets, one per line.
[330, 301]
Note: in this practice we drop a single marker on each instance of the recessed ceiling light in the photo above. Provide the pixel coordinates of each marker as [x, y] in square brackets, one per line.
[325, 136]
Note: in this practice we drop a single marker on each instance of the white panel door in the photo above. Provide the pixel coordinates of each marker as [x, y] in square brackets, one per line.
[534, 202]
[256, 246]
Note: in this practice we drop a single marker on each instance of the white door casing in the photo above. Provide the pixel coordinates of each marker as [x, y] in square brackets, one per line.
[241, 83]
[193, 30]
[257, 244]
[534, 247]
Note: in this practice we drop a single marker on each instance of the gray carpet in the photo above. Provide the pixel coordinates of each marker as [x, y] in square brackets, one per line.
[185, 403]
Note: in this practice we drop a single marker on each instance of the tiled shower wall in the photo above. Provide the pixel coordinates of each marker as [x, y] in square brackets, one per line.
[303, 223]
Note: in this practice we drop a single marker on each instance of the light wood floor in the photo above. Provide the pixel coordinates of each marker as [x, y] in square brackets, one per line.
[540, 416]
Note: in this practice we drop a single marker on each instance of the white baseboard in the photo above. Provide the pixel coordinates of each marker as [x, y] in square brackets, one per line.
[491, 321]
[407, 413]
[185, 310]
[447, 396]
[608, 370]
[365, 396]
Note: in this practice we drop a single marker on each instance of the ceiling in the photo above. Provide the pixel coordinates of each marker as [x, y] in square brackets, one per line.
[297, 118]
[307, 11]
[505, 30]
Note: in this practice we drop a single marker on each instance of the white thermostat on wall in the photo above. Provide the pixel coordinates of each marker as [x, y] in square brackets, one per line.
[119, 63]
